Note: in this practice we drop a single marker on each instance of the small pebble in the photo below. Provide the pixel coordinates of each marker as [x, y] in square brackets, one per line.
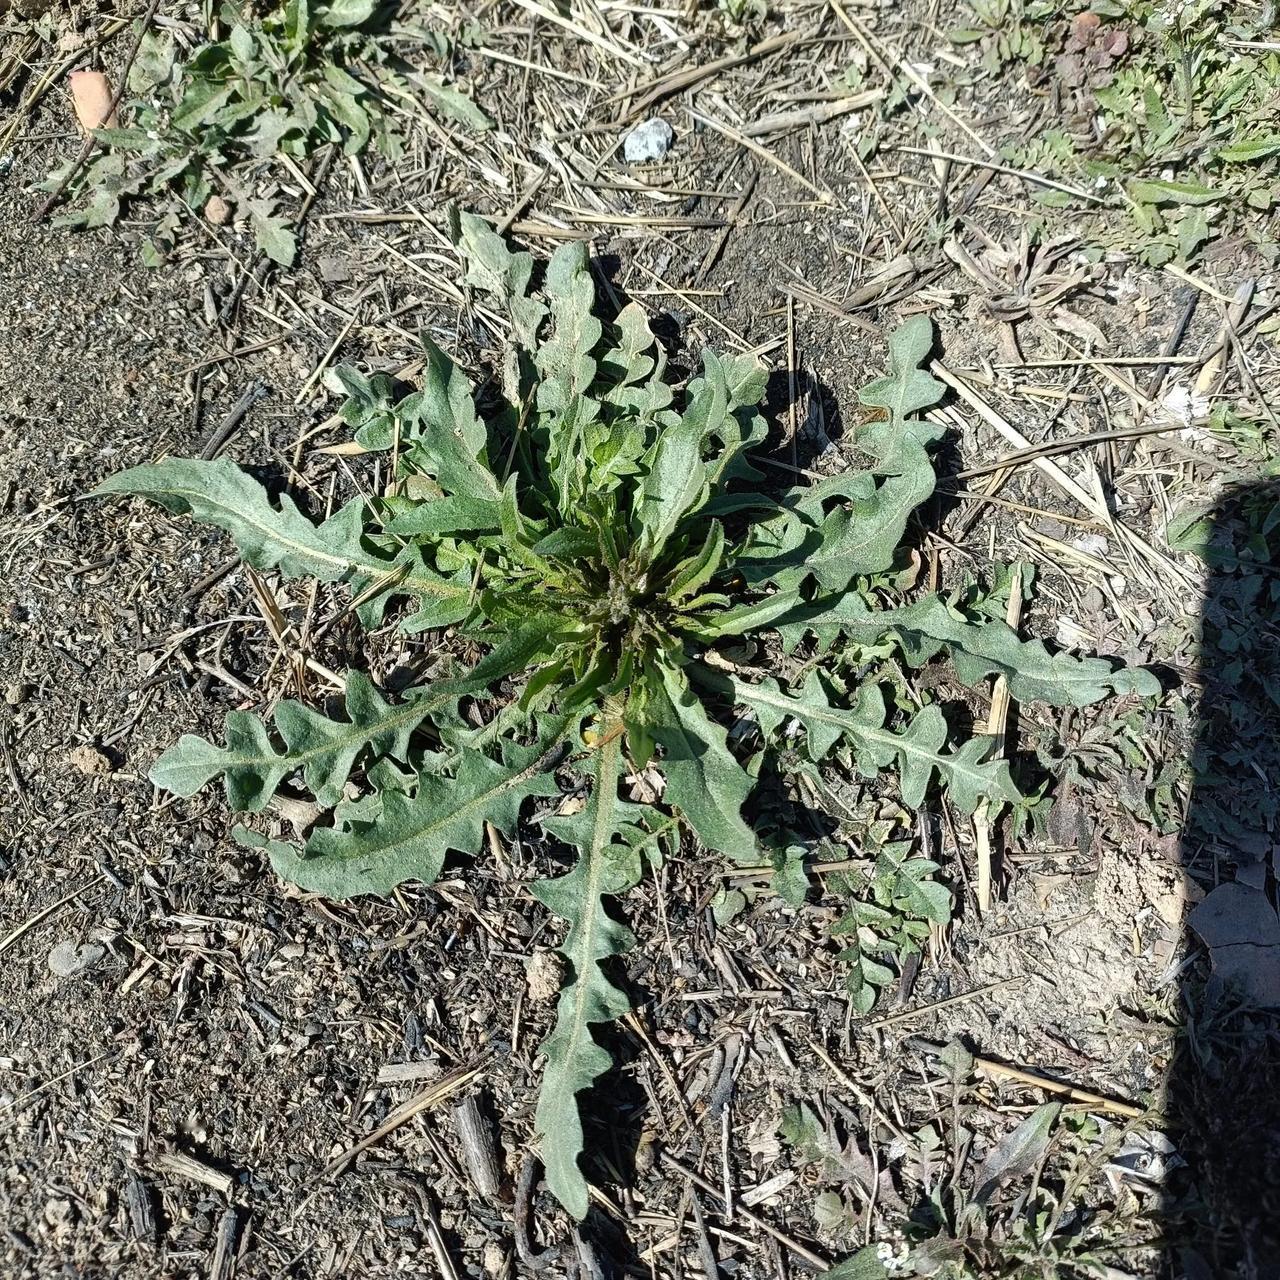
[648, 141]
[16, 694]
[1092, 544]
[69, 959]
[217, 211]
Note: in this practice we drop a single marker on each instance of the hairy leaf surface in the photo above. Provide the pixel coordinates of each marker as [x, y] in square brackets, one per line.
[505, 275]
[324, 751]
[411, 836]
[903, 392]
[574, 1059]
[270, 537]
[977, 649]
[917, 749]
[704, 782]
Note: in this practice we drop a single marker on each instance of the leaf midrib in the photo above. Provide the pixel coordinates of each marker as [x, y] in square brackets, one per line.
[506, 783]
[845, 721]
[601, 833]
[358, 733]
[418, 710]
[425, 586]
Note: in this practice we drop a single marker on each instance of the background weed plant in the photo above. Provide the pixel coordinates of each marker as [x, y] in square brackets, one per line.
[281, 83]
[1168, 108]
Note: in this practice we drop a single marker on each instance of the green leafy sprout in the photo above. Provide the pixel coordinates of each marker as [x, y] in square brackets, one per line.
[892, 906]
[598, 544]
[281, 84]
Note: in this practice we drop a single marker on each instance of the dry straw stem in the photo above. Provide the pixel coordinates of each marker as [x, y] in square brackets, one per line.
[1213, 367]
[180, 1165]
[1026, 175]
[434, 1094]
[612, 47]
[745, 1214]
[1015, 437]
[1050, 448]
[820, 114]
[998, 1071]
[878, 1024]
[644, 96]
[16, 58]
[91, 141]
[224, 1258]
[1159, 567]
[891, 62]
[10, 938]
[51, 77]
[997, 721]
[14, 1103]
[820, 194]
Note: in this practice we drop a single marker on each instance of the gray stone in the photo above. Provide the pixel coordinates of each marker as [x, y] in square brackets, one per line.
[69, 959]
[648, 141]
[1242, 932]
[334, 270]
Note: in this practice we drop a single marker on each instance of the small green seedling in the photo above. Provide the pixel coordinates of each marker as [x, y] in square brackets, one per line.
[598, 544]
[892, 907]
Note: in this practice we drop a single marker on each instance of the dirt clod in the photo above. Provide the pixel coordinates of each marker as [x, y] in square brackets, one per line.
[88, 760]
[544, 973]
[218, 211]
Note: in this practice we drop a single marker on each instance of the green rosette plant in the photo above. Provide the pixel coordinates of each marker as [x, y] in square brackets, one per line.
[597, 539]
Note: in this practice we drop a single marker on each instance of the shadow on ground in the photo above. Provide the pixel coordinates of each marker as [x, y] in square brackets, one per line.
[1224, 1090]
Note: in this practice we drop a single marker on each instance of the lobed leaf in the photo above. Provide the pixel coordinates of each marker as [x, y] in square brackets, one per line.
[917, 749]
[738, 385]
[977, 649]
[1015, 1155]
[452, 101]
[902, 393]
[574, 1059]
[504, 275]
[862, 534]
[695, 571]
[252, 764]
[409, 838]
[281, 538]
[271, 232]
[438, 517]
[564, 360]
[704, 782]
[632, 377]
[864, 538]
[344, 13]
[443, 436]
[742, 619]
